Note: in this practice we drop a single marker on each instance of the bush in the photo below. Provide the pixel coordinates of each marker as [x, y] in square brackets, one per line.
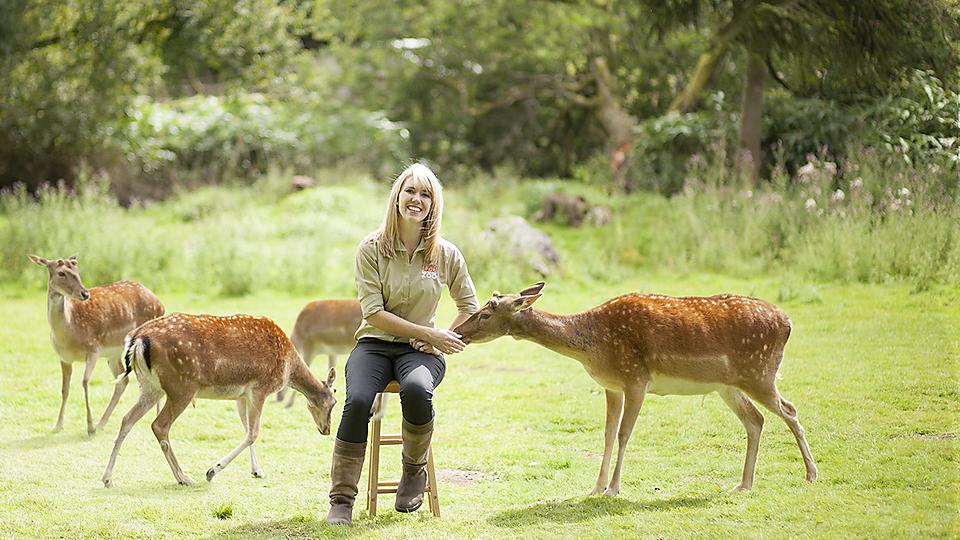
[208, 138]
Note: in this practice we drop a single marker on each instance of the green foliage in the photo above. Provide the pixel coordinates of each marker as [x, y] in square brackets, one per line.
[249, 134]
[68, 71]
[665, 146]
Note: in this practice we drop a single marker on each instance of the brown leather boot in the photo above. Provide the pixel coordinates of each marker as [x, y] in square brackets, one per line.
[344, 475]
[416, 442]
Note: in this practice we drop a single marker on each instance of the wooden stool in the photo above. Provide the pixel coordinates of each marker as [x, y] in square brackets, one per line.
[374, 485]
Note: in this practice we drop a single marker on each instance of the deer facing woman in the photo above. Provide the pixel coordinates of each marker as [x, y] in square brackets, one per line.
[401, 269]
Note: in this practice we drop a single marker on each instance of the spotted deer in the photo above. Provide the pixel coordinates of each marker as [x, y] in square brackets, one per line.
[86, 324]
[328, 327]
[648, 343]
[240, 358]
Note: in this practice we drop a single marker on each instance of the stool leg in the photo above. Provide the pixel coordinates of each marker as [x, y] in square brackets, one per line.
[432, 485]
[373, 473]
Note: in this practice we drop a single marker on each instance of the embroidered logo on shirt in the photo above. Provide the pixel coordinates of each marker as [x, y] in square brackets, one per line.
[430, 272]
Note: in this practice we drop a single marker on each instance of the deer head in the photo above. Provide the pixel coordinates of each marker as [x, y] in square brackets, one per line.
[497, 316]
[64, 277]
[321, 403]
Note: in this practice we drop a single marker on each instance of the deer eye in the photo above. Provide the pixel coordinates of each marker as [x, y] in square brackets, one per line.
[61, 273]
[484, 316]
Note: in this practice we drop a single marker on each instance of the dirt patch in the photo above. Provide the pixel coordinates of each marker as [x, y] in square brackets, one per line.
[935, 436]
[461, 477]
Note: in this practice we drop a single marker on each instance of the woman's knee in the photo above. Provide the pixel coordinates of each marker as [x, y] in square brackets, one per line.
[358, 404]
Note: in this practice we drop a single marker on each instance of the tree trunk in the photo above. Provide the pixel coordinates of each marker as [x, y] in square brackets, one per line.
[617, 122]
[720, 41]
[749, 159]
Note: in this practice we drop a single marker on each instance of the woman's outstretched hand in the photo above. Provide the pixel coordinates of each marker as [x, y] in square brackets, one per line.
[446, 341]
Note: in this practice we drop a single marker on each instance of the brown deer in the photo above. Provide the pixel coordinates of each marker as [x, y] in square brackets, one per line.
[328, 327]
[324, 327]
[640, 343]
[86, 324]
[239, 358]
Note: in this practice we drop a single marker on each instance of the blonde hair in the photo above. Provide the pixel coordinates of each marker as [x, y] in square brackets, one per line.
[389, 233]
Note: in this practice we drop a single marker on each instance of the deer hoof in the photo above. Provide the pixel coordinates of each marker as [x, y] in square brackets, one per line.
[211, 472]
[57, 429]
[610, 492]
[740, 488]
[812, 474]
[91, 430]
[186, 481]
[598, 490]
[107, 483]
[257, 474]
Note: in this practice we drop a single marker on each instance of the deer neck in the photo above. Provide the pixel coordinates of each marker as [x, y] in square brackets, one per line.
[563, 334]
[304, 381]
[58, 310]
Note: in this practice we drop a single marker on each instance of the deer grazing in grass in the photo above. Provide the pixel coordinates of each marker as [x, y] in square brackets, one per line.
[239, 358]
[328, 327]
[640, 343]
[86, 324]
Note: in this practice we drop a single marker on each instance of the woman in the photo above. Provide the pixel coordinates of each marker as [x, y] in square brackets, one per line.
[400, 271]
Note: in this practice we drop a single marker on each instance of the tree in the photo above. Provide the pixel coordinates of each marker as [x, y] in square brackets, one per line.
[69, 70]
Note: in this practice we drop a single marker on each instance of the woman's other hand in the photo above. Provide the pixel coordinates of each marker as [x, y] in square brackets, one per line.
[424, 347]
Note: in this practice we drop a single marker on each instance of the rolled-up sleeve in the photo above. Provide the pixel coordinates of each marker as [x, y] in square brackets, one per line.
[369, 290]
[462, 291]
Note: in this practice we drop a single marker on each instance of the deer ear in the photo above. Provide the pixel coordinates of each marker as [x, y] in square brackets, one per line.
[533, 289]
[331, 376]
[38, 260]
[72, 260]
[524, 302]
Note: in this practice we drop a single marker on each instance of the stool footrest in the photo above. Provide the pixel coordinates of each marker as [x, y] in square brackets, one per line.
[391, 440]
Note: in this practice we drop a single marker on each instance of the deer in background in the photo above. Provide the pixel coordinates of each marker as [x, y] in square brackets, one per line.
[240, 358]
[328, 327]
[86, 324]
[640, 343]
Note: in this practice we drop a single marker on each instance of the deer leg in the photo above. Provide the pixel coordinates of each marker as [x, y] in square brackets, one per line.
[752, 421]
[87, 373]
[116, 368]
[172, 409]
[243, 409]
[632, 401]
[140, 408]
[772, 400]
[66, 369]
[254, 408]
[614, 411]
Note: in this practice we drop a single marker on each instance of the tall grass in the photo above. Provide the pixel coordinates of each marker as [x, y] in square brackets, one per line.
[870, 225]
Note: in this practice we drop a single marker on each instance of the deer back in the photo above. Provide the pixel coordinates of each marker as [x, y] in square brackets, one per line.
[212, 351]
[722, 338]
[329, 324]
[108, 315]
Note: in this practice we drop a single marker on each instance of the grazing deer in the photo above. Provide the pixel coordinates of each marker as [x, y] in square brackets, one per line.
[86, 324]
[240, 358]
[328, 327]
[639, 343]
[324, 327]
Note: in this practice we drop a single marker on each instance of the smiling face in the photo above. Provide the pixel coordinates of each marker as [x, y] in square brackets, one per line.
[414, 201]
[64, 277]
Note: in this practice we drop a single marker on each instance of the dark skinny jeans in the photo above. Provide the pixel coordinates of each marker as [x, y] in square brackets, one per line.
[373, 363]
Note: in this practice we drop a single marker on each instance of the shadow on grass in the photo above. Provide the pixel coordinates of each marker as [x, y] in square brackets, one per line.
[47, 440]
[584, 508]
[316, 527]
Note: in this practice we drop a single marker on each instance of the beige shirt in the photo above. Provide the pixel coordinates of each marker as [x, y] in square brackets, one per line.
[408, 288]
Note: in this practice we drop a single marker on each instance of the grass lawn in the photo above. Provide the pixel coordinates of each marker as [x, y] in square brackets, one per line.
[873, 371]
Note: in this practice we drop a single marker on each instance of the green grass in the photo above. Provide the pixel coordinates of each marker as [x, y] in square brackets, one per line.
[872, 369]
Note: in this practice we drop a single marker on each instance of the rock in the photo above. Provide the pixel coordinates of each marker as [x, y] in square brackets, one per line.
[523, 243]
